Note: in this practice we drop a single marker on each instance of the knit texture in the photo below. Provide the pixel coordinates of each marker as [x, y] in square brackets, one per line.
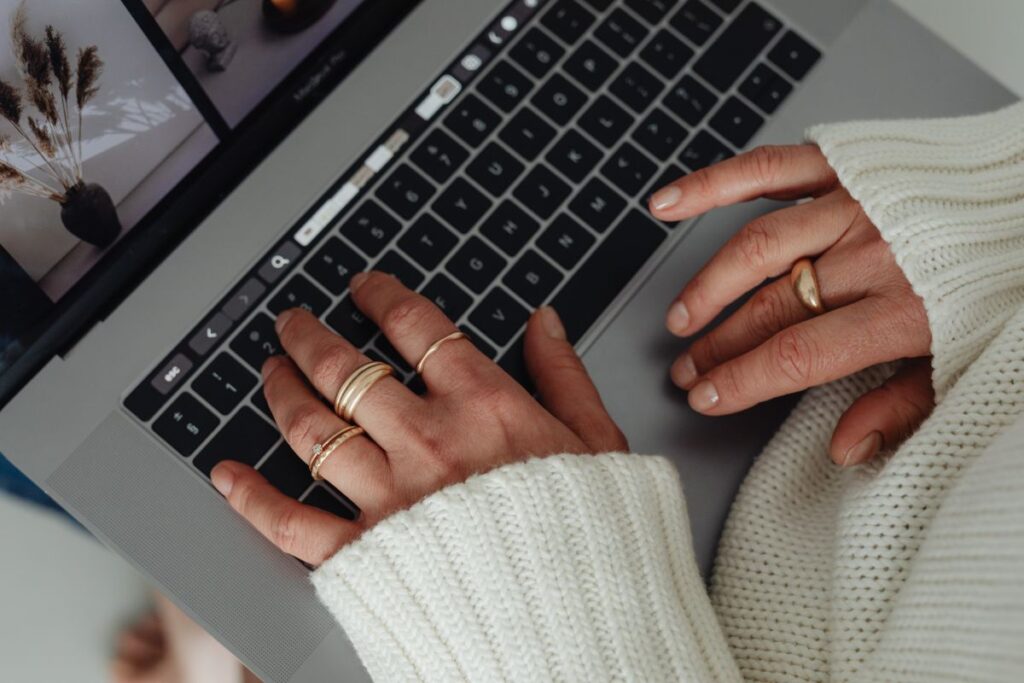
[906, 569]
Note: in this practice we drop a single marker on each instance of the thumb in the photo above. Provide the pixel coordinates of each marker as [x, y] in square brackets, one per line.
[564, 386]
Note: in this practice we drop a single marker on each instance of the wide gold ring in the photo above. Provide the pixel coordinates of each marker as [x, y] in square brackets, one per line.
[434, 347]
[355, 387]
[804, 280]
[321, 452]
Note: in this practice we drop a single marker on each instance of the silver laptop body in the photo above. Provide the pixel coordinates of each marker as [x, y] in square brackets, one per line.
[68, 431]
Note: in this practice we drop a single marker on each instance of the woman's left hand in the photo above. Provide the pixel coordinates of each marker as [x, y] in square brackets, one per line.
[473, 418]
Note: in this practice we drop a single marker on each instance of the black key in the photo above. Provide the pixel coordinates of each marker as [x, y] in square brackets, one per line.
[574, 156]
[690, 101]
[736, 122]
[606, 121]
[696, 21]
[542, 191]
[245, 438]
[727, 6]
[651, 10]
[334, 265]
[794, 55]
[703, 150]
[566, 241]
[224, 383]
[628, 169]
[559, 99]
[393, 263]
[185, 424]
[509, 227]
[286, 471]
[461, 205]
[621, 32]
[259, 399]
[765, 88]
[257, 342]
[447, 296]
[499, 316]
[533, 278]
[597, 205]
[599, 5]
[637, 87]
[299, 292]
[536, 52]
[737, 46]
[472, 120]
[667, 54]
[428, 242]
[479, 343]
[514, 364]
[659, 134]
[527, 133]
[371, 227]
[608, 270]
[568, 20]
[320, 497]
[475, 264]
[590, 65]
[439, 155]
[405, 191]
[391, 354]
[495, 169]
[505, 86]
[350, 323]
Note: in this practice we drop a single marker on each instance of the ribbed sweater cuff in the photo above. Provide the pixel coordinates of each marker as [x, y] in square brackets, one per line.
[573, 568]
[948, 196]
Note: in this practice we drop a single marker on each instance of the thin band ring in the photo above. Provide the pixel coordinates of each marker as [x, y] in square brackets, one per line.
[434, 347]
[321, 452]
[804, 280]
[355, 387]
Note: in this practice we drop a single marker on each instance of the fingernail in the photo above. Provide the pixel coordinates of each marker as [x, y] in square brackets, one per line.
[684, 371]
[666, 198]
[283, 319]
[269, 366]
[357, 281]
[678, 318]
[223, 479]
[863, 451]
[704, 396]
[552, 324]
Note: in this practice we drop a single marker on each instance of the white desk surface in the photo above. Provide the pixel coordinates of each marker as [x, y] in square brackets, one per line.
[63, 598]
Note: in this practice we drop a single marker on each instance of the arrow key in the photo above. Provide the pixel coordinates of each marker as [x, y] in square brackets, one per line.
[210, 334]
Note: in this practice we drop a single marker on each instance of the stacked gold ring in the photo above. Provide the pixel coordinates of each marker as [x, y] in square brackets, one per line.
[356, 386]
[325, 450]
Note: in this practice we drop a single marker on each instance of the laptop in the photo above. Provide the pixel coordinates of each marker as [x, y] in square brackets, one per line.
[248, 157]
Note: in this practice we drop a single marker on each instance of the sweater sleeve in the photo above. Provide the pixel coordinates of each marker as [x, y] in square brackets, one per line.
[948, 196]
[563, 568]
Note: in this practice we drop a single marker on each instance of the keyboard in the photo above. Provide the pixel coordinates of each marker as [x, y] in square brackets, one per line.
[518, 178]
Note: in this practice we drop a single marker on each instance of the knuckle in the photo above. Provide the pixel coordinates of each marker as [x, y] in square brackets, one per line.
[302, 424]
[703, 184]
[328, 365]
[794, 354]
[767, 313]
[764, 164]
[285, 529]
[404, 316]
[757, 243]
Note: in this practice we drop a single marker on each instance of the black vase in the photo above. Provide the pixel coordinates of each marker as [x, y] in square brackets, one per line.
[304, 14]
[89, 214]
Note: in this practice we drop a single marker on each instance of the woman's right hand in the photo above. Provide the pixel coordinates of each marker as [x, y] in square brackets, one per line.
[773, 345]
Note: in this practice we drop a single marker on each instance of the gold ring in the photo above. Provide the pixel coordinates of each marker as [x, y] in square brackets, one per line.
[325, 450]
[804, 280]
[355, 387]
[434, 347]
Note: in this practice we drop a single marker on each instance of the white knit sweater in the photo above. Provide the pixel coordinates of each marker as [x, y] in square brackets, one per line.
[579, 568]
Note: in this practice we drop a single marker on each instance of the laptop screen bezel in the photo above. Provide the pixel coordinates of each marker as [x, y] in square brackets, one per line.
[132, 259]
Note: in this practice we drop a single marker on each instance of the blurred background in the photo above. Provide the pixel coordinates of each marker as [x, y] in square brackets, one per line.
[63, 598]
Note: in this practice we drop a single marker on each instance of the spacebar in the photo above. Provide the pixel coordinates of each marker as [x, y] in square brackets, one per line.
[608, 270]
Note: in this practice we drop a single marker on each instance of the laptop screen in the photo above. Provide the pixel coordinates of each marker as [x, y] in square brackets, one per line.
[123, 122]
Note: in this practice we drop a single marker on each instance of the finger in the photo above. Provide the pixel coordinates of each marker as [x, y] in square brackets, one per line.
[820, 350]
[328, 360]
[785, 172]
[886, 416]
[305, 532]
[359, 468]
[766, 247]
[565, 387]
[412, 323]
